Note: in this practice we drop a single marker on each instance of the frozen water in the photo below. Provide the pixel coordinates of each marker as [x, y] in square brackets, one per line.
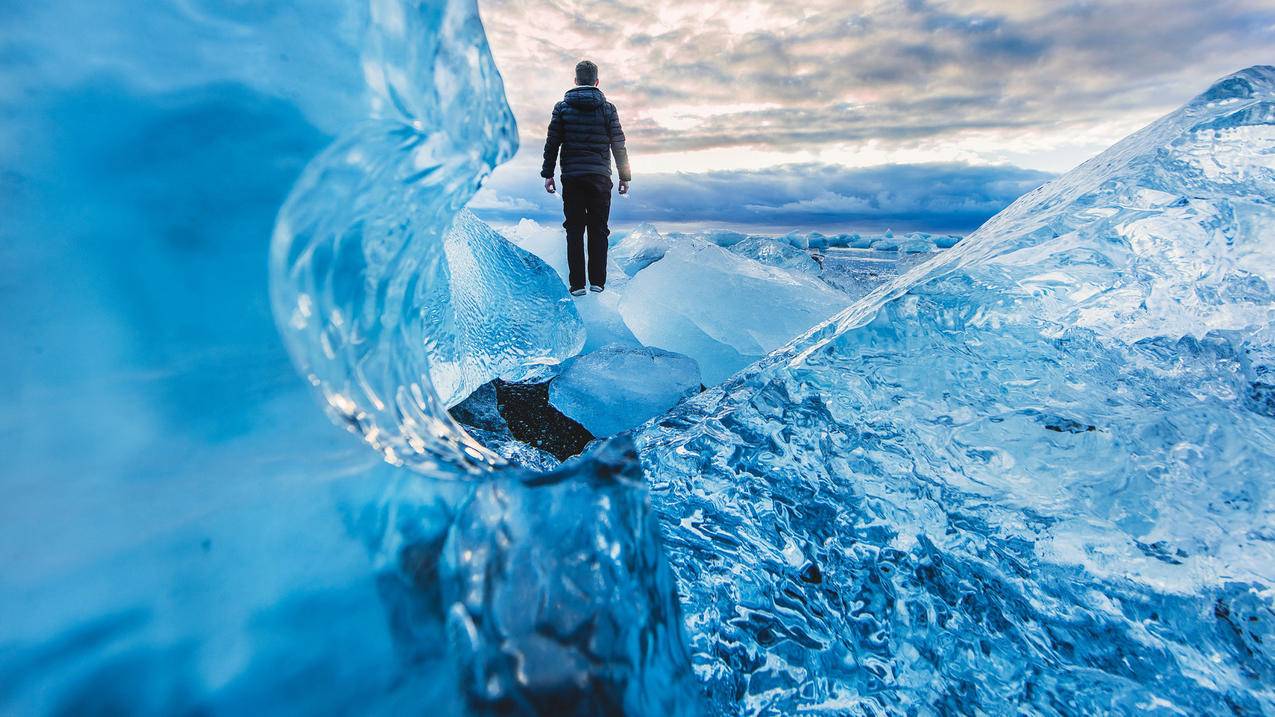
[549, 575]
[505, 314]
[913, 243]
[690, 302]
[639, 249]
[720, 237]
[858, 271]
[1030, 476]
[776, 253]
[183, 531]
[619, 387]
[600, 312]
[1034, 474]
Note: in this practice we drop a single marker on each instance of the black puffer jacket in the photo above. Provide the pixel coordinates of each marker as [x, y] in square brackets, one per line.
[587, 129]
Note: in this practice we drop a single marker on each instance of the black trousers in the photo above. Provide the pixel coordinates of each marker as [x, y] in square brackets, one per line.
[586, 202]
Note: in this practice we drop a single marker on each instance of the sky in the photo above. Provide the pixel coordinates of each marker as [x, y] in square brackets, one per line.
[850, 116]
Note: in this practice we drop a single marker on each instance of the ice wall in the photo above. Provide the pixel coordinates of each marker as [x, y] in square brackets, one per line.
[358, 271]
[1034, 474]
[183, 532]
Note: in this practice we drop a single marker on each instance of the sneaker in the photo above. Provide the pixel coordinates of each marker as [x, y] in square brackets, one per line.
[577, 292]
[595, 288]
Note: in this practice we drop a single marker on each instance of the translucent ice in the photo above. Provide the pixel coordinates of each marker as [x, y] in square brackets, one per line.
[912, 243]
[722, 309]
[1033, 474]
[600, 312]
[505, 314]
[557, 596]
[776, 253]
[639, 249]
[619, 387]
[184, 532]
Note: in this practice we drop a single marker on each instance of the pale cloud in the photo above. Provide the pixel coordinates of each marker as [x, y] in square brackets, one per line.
[1040, 83]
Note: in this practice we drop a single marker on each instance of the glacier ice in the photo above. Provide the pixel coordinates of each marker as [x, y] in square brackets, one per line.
[639, 249]
[599, 312]
[858, 271]
[504, 315]
[189, 535]
[1029, 475]
[552, 574]
[619, 387]
[689, 302]
[911, 243]
[776, 253]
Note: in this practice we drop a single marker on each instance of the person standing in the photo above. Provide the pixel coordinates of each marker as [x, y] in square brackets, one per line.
[586, 130]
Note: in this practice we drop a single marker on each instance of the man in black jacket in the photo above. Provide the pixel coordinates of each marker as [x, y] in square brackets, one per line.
[587, 129]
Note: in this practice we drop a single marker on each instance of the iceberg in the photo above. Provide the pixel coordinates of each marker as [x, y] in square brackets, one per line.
[642, 247]
[776, 253]
[619, 387]
[858, 271]
[689, 302]
[1030, 475]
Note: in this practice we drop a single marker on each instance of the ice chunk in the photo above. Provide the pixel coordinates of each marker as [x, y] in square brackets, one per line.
[912, 243]
[557, 595]
[720, 237]
[640, 248]
[599, 312]
[507, 314]
[618, 387]
[859, 271]
[1049, 445]
[212, 545]
[720, 308]
[776, 253]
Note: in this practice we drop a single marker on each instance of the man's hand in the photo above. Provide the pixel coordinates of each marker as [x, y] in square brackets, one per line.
[624, 187]
[549, 186]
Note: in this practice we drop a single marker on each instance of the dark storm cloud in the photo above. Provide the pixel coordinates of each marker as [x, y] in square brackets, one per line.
[936, 197]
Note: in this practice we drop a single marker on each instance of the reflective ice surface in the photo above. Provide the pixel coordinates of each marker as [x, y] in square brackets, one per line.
[619, 387]
[639, 249]
[776, 253]
[722, 309]
[1032, 474]
[183, 532]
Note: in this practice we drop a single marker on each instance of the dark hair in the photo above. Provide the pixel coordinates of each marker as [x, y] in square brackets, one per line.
[586, 73]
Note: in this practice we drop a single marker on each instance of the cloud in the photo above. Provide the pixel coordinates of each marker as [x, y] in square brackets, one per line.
[800, 77]
[935, 197]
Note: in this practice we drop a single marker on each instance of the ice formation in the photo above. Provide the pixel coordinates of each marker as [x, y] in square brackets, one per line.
[722, 309]
[505, 315]
[776, 253]
[1031, 475]
[858, 271]
[912, 243]
[600, 312]
[619, 387]
[643, 246]
[211, 545]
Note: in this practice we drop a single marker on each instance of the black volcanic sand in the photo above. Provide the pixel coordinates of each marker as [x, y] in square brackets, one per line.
[528, 416]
